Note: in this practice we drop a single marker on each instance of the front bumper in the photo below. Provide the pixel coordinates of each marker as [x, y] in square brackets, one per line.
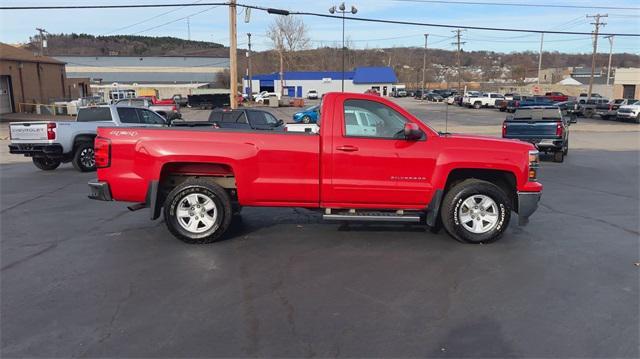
[99, 191]
[35, 149]
[626, 114]
[527, 204]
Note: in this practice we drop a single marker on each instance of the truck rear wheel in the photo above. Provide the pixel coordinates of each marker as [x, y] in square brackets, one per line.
[84, 157]
[477, 105]
[476, 211]
[558, 156]
[46, 164]
[198, 211]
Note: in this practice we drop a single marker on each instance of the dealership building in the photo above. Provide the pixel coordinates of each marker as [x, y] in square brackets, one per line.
[298, 83]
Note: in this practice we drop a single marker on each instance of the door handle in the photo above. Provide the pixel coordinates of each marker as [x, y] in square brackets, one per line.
[347, 148]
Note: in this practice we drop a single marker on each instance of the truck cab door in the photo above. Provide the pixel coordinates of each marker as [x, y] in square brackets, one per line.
[372, 164]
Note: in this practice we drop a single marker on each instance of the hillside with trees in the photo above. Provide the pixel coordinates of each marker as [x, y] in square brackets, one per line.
[291, 43]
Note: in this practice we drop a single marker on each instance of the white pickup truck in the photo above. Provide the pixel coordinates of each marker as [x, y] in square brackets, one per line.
[51, 143]
[487, 99]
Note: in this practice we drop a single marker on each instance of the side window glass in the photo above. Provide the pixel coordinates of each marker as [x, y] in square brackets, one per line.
[364, 118]
[256, 118]
[128, 115]
[150, 118]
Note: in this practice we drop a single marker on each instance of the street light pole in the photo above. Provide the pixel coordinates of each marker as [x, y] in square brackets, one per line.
[342, 10]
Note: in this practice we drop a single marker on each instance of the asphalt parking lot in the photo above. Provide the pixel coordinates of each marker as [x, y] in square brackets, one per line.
[91, 279]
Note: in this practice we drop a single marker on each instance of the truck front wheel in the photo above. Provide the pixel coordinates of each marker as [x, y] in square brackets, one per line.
[476, 211]
[46, 164]
[198, 211]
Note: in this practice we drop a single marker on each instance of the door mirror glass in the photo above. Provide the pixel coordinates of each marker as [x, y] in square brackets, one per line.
[412, 132]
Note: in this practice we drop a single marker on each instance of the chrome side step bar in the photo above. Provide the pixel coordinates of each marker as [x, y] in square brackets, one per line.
[372, 217]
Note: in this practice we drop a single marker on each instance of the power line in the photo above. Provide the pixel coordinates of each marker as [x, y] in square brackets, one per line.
[449, 2]
[174, 21]
[399, 22]
[303, 13]
[146, 20]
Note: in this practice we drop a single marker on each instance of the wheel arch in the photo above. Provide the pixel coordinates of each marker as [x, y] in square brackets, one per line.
[506, 180]
[173, 174]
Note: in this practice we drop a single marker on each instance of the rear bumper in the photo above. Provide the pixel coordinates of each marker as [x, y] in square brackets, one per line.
[35, 149]
[527, 204]
[99, 191]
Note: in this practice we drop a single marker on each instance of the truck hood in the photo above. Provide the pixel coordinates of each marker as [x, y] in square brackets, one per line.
[486, 142]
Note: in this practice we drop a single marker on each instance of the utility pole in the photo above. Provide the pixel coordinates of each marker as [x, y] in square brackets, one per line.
[42, 32]
[597, 24]
[540, 57]
[233, 55]
[458, 42]
[188, 29]
[280, 53]
[610, 38]
[424, 65]
[249, 68]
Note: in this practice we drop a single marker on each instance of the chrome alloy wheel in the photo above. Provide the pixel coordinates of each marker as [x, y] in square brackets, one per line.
[87, 158]
[196, 213]
[478, 214]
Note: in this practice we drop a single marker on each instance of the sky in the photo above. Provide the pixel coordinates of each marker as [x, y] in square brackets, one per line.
[209, 23]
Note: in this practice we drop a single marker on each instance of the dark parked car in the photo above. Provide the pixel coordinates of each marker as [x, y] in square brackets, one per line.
[527, 102]
[588, 108]
[248, 119]
[569, 108]
[543, 126]
[433, 96]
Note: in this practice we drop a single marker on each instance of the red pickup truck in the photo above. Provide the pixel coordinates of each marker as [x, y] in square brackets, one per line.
[370, 161]
[556, 96]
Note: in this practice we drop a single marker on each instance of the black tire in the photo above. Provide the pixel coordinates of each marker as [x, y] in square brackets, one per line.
[638, 118]
[84, 157]
[453, 202]
[565, 151]
[306, 119]
[588, 113]
[477, 105]
[558, 156]
[502, 109]
[223, 211]
[46, 164]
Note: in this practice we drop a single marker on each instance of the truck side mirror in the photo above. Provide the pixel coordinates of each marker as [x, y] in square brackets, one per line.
[412, 132]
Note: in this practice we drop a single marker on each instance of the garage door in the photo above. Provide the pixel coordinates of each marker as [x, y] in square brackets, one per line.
[5, 95]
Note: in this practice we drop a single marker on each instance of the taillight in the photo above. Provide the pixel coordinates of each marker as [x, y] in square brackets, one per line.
[559, 129]
[504, 130]
[102, 152]
[534, 164]
[51, 131]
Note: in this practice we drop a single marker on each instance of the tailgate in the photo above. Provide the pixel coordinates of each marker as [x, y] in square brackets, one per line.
[530, 129]
[28, 131]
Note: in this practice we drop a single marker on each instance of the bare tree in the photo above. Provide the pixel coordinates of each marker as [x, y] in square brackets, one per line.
[288, 35]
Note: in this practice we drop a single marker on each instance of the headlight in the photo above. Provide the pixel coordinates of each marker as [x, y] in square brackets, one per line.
[534, 164]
